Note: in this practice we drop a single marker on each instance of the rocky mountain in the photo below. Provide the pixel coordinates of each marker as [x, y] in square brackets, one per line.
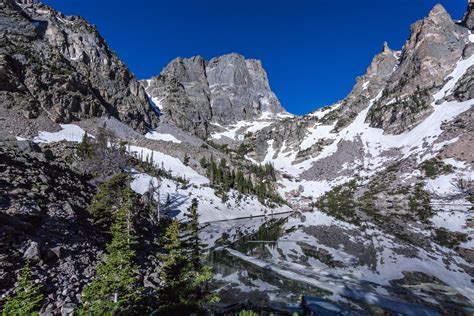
[200, 96]
[426, 81]
[60, 67]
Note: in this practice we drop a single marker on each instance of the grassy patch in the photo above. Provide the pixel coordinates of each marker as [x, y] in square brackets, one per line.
[340, 202]
[434, 167]
[419, 203]
[449, 239]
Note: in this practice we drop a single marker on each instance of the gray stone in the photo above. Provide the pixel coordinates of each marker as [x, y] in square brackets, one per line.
[468, 19]
[32, 253]
[194, 93]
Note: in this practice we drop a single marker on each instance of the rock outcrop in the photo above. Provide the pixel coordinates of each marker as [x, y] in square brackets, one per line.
[60, 66]
[193, 93]
[431, 53]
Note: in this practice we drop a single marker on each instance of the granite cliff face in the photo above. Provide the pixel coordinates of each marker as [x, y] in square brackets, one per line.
[193, 93]
[61, 67]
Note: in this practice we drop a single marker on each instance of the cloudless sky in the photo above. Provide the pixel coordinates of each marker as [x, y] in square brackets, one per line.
[312, 50]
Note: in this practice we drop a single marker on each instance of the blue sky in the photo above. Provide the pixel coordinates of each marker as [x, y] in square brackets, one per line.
[312, 50]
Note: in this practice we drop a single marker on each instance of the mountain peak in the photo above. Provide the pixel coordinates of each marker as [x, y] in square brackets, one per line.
[438, 14]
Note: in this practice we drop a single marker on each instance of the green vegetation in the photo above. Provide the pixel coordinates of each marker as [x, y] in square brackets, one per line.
[85, 147]
[415, 103]
[116, 288]
[340, 202]
[269, 231]
[330, 117]
[449, 239]
[244, 149]
[112, 195]
[184, 280]
[419, 203]
[27, 297]
[186, 159]
[246, 313]
[434, 167]
[103, 156]
[258, 182]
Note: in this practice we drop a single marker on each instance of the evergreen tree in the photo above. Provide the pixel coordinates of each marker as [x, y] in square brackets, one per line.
[203, 162]
[85, 148]
[186, 159]
[201, 274]
[115, 288]
[27, 297]
[175, 273]
[109, 197]
[193, 240]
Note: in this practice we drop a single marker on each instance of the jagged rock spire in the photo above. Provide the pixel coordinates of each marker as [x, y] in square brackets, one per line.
[439, 14]
[386, 49]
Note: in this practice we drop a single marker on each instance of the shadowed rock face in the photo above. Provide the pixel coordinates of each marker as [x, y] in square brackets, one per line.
[60, 66]
[193, 93]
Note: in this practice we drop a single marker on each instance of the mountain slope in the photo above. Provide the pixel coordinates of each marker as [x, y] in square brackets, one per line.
[60, 67]
[341, 142]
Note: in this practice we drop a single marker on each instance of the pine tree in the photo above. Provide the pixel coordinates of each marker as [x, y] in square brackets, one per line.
[115, 288]
[85, 147]
[203, 162]
[186, 159]
[202, 274]
[175, 273]
[193, 240]
[27, 297]
[109, 197]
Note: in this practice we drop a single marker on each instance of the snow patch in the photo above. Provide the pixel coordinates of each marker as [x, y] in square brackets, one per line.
[164, 137]
[69, 132]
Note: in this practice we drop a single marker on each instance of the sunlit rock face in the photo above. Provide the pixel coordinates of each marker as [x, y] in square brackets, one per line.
[193, 93]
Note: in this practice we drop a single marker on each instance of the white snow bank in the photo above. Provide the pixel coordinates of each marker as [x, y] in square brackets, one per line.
[156, 103]
[173, 164]
[452, 220]
[238, 130]
[69, 132]
[164, 137]
[461, 67]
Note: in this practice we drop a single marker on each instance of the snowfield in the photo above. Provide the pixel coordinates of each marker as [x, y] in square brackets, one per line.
[238, 130]
[419, 141]
[211, 208]
[174, 195]
[69, 132]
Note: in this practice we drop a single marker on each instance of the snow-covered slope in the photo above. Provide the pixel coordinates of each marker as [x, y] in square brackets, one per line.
[174, 196]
